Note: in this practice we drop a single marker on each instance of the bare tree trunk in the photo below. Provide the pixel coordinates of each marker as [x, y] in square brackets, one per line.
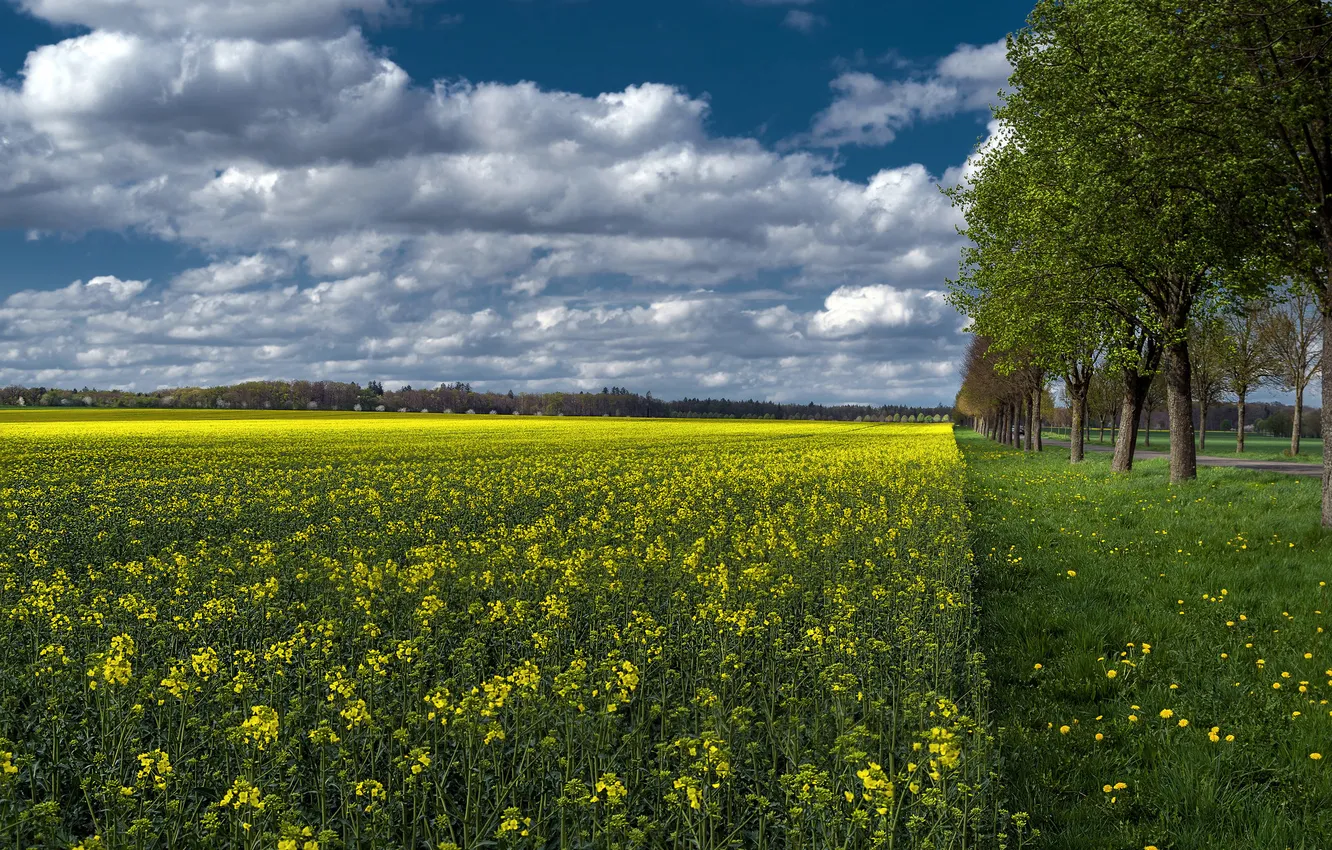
[1102, 439]
[1239, 419]
[1077, 449]
[1327, 404]
[1135, 390]
[1295, 427]
[1179, 401]
[1029, 418]
[1202, 423]
[1147, 418]
[1036, 421]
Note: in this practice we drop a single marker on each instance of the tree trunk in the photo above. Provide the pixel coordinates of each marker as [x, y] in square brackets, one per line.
[1135, 391]
[1036, 422]
[1148, 436]
[1295, 427]
[1102, 437]
[1327, 404]
[1076, 447]
[1029, 444]
[1239, 419]
[1179, 401]
[1202, 423]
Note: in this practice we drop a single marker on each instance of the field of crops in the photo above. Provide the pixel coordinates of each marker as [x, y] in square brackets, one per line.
[400, 632]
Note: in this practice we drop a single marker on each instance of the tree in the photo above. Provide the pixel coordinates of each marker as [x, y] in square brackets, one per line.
[1280, 88]
[1103, 396]
[1209, 348]
[1108, 177]
[1291, 335]
[1079, 370]
[1152, 401]
[1248, 363]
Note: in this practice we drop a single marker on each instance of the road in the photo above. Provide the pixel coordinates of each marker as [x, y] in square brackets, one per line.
[1313, 469]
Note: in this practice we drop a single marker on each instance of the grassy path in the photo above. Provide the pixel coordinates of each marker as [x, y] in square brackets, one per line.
[1219, 444]
[1243, 461]
[1161, 670]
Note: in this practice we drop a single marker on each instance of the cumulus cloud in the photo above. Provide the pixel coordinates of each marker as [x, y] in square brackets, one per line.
[363, 224]
[867, 110]
[851, 310]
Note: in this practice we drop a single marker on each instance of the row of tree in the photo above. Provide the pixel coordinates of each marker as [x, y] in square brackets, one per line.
[458, 397]
[1161, 179]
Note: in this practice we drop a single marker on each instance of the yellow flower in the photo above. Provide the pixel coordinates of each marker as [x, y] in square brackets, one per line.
[261, 728]
[1167, 713]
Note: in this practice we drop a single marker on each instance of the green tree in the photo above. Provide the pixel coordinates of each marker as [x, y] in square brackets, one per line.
[1135, 181]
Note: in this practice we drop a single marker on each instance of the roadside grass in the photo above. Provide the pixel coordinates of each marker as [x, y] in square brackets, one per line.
[1206, 602]
[1219, 444]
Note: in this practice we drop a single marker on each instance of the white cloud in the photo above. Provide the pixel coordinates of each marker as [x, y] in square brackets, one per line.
[802, 21]
[221, 18]
[851, 310]
[231, 275]
[361, 224]
[867, 110]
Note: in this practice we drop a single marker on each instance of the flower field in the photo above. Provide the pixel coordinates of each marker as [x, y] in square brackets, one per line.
[315, 633]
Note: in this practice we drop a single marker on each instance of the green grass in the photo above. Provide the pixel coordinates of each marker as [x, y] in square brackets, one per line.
[1219, 444]
[1076, 566]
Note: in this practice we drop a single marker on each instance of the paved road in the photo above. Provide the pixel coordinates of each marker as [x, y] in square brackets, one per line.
[1313, 469]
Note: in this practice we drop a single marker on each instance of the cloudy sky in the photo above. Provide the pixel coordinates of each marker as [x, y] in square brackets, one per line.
[702, 197]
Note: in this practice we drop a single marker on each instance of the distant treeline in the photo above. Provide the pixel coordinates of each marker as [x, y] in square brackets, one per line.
[456, 397]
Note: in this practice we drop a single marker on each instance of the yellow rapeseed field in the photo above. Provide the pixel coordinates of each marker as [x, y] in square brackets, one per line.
[411, 631]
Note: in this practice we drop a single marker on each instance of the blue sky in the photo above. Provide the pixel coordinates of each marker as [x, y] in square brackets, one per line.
[702, 197]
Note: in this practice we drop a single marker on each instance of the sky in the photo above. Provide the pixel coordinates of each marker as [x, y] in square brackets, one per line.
[732, 198]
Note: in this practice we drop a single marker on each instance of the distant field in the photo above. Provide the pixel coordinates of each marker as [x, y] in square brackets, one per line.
[1219, 444]
[130, 414]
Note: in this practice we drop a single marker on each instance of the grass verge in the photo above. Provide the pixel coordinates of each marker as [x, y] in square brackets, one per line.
[1161, 667]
